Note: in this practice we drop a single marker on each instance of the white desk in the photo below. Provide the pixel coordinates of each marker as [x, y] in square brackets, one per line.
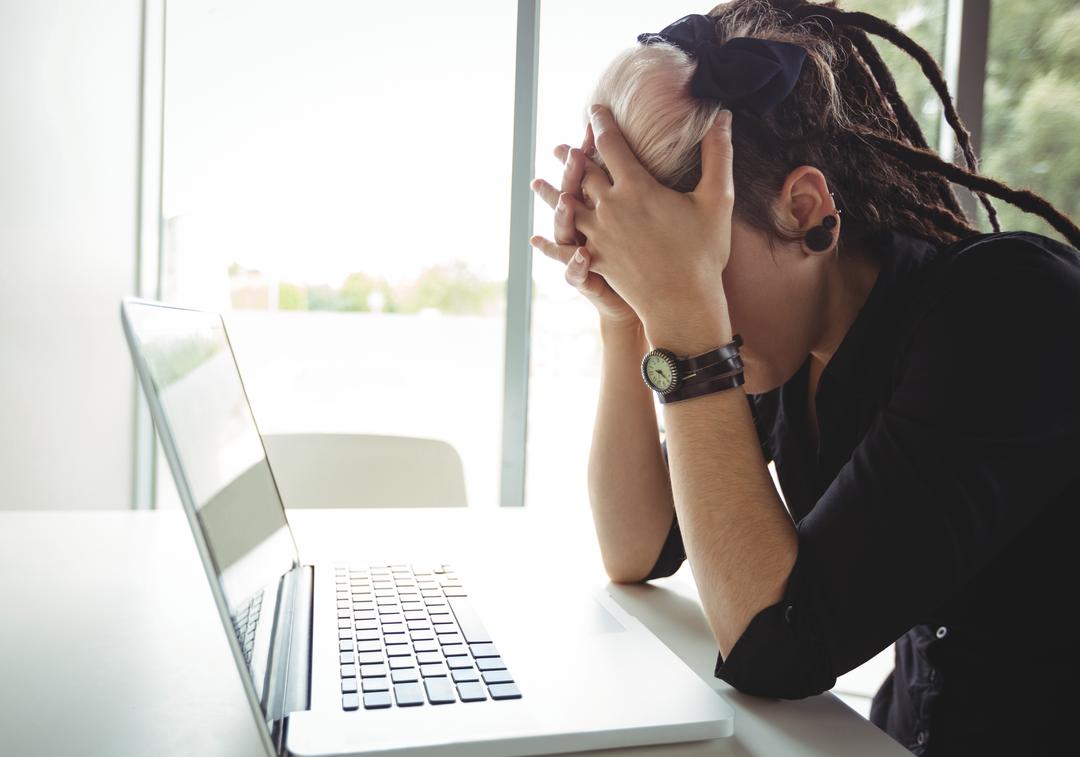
[110, 644]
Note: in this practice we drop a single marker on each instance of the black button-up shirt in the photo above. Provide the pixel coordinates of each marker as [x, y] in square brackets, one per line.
[940, 510]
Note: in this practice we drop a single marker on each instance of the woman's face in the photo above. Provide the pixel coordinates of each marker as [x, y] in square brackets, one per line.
[776, 302]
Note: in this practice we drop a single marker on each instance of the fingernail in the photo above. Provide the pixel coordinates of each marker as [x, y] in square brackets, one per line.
[578, 257]
[593, 110]
[723, 118]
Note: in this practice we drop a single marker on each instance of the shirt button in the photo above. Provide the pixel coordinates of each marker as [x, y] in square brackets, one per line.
[941, 632]
[789, 614]
[920, 737]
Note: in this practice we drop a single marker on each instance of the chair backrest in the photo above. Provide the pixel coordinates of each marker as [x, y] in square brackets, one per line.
[362, 470]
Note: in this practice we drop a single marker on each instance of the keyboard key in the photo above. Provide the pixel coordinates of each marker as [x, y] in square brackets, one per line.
[345, 645]
[414, 614]
[433, 670]
[365, 615]
[497, 676]
[471, 691]
[395, 638]
[483, 650]
[399, 650]
[418, 625]
[442, 620]
[440, 691]
[350, 701]
[451, 638]
[348, 671]
[369, 634]
[342, 623]
[454, 650]
[504, 691]
[346, 658]
[343, 613]
[454, 591]
[425, 658]
[374, 684]
[348, 685]
[403, 675]
[421, 635]
[373, 645]
[367, 658]
[468, 620]
[490, 663]
[366, 625]
[408, 694]
[459, 662]
[377, 699]
[468, 674]
[428, 645]
[344, 633]
[368, 671]
[402, 662]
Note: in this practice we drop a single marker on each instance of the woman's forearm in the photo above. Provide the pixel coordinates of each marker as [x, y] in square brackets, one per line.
[629, 487]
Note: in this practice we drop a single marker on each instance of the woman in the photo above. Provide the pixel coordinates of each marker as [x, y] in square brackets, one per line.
[916, 383]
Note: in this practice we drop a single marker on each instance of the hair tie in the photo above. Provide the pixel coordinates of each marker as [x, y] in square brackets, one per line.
[745, 72]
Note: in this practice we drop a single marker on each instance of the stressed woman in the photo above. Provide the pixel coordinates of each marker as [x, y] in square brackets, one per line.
[778, 257]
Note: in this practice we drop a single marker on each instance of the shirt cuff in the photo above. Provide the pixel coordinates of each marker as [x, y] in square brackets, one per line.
[782, 652]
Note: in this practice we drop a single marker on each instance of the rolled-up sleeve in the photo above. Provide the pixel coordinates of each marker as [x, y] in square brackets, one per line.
[673, 553]
[980, 435]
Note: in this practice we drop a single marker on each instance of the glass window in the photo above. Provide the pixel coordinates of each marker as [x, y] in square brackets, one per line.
[576, 42]
[1032, 106]
[336, 179]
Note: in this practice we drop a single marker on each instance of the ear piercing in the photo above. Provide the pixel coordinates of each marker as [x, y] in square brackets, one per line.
[820, 237]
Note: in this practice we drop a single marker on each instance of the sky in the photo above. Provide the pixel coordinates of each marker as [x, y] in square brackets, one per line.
[313, 139]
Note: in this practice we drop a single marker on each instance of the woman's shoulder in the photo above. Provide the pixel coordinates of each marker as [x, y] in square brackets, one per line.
[1022, 275]
[1022, 253]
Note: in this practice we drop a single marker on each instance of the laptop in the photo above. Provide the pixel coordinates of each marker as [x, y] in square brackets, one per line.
[400, 658]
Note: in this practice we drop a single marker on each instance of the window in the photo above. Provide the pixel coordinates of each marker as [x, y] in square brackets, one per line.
[339, 187]
[1032, 106]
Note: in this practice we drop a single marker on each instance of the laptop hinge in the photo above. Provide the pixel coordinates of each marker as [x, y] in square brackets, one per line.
[289, 680]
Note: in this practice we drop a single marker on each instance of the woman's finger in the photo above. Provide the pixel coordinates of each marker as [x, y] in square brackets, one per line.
[594, 183]
[548, 193]
[578, 275]
[581, 216]
[560, 252]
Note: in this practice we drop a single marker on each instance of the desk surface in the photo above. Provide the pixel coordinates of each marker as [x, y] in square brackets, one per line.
[105, 612]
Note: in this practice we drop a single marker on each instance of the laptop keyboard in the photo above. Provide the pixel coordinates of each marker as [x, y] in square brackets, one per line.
[407, 634]
[245, 620]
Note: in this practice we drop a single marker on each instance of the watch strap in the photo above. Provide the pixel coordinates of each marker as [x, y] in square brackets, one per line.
[724, 352]
[717, 384]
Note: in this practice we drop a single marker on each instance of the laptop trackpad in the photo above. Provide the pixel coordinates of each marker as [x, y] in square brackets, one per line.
[584, 614]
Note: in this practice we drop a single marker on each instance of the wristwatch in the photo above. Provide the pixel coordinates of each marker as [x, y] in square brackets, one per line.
[666, 373]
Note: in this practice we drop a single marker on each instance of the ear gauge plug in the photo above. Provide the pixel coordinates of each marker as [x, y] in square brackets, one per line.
[820, 237]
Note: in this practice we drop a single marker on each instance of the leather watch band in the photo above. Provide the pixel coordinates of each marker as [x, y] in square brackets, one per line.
[716, 384]
[691, 364]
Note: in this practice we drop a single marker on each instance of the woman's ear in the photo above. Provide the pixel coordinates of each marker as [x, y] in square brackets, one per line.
[804, 202]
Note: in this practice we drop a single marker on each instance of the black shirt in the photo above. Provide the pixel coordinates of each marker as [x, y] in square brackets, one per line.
[941, 509]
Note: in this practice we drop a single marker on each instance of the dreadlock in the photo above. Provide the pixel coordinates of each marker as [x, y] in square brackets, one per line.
[847, 117]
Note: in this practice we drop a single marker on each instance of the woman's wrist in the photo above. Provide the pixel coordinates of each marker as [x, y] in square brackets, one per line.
[616, 331]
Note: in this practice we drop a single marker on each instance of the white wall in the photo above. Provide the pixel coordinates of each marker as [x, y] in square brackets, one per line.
[69, 85]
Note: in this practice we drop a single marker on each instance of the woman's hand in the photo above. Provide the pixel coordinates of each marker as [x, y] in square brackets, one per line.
[662, 251]
[612, 308]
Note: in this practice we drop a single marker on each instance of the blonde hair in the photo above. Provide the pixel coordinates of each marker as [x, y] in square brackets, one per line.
[647, 89]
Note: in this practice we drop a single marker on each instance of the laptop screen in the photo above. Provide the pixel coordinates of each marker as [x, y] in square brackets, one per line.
[224, 475]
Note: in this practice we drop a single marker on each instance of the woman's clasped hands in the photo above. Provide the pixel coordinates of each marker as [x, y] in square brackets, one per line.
[649, 254]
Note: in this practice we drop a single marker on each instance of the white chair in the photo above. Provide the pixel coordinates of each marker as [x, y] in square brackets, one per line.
[361, 470]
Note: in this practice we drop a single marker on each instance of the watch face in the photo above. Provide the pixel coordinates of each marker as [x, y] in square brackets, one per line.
[658, 369]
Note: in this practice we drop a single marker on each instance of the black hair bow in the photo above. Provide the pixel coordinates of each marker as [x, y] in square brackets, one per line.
[745, 72]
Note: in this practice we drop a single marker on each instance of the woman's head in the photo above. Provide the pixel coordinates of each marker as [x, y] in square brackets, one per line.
[842, 138]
